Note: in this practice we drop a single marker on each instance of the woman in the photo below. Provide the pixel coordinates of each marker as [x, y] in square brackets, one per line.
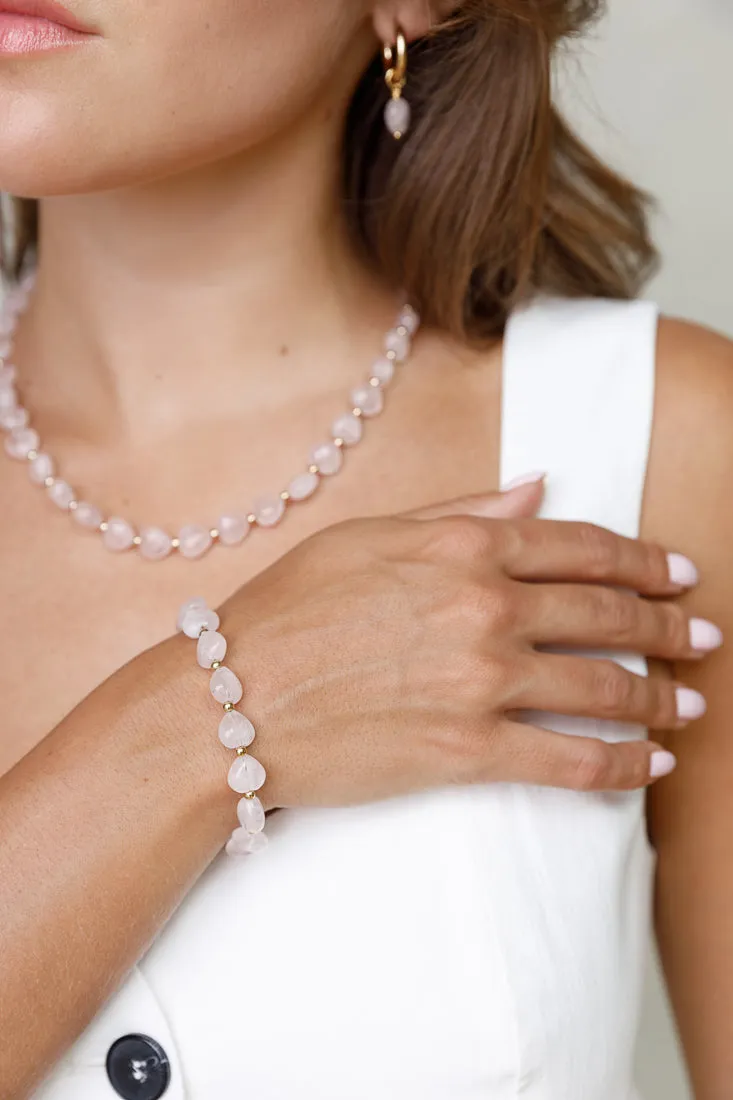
[462, 927]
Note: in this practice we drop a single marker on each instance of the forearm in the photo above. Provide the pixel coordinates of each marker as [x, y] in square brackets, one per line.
[105, 826]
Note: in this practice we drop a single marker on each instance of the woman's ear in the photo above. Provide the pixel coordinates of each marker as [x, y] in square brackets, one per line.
[413, 17]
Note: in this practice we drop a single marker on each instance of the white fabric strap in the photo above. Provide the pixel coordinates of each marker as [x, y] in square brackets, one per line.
[578, 403]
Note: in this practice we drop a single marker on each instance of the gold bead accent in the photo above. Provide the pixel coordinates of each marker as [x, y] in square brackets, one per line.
[285, 496]
[228, 707]
[313, 469]
[375, 383]
[137, 541]
[391, 355]
[49, 481]
[338, 442]
[73, 505]
[401, 330]
[32, 455]
[214, 532]
[249, 794]
[175, 544]
[104, 526]
[241, 751]
[251, 519]
[356, 412]
[215, 665]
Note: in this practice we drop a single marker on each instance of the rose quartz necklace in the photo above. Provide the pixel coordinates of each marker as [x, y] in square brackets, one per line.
[23, 443]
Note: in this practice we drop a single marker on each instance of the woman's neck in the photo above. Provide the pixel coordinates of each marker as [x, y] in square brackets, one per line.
[236, 282]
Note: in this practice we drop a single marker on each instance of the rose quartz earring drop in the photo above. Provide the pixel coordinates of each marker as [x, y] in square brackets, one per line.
[397, 112]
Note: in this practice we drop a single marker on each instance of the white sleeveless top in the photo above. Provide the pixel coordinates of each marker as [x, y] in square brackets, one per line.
[467, 944]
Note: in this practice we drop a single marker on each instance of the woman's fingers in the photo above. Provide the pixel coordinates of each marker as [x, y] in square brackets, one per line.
[529, 755]
[521, 501]
[546, 550]
[595, 617]
[602, 689]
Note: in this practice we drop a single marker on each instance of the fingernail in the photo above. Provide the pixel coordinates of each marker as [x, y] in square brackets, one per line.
[691, 705]
[705, 636]
[661, 764]
[525, 479]
[682, 571]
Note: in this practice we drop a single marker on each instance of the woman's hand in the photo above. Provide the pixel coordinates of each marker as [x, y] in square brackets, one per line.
[384, 656]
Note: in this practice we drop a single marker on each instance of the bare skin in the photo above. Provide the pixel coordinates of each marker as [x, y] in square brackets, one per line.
[177, 372]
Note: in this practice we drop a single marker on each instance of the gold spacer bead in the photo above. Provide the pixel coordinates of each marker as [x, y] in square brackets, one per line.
[73, 505]
[228, 707]
[49, 481]
[104, 526]
[241, 751]
[214, 533]
[356, 412]
[375, 383]
[175, 544]
[249, 794]
[313, 469]
[137, 541]
[401, 330]
[32, 455]
[215, 665]
[391, 355]
[251, 519]
[285, 496]
[338, 442]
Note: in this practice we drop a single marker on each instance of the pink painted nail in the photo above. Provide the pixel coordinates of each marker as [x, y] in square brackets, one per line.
[691, 705]
[524, 479]
[662, 763]
[682, 571]
[705, 636]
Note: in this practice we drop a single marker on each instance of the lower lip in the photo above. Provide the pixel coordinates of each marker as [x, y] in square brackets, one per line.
[28, 34]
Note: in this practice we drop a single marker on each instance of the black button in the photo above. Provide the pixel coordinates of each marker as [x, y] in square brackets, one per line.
[138, 1068]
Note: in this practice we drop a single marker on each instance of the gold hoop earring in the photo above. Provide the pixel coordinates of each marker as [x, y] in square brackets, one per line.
[397, 112]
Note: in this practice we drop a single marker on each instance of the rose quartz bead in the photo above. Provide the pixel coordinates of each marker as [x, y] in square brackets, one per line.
[409, 318]
[242, 843]
[397, 116]
[8, 398]
[61, 494]
[226, 688]
[369, 399]
[236, 731]
[21, 442]
[328, 458]
[195, 601]
[40, 468]
[212, 646]
[232, 529]
[12, 419]
[155, 543]
[7, 375]
[87, 515]
[348, 427]
[197, 619]
[194, 540]
[246, 774]
[383, 369]
[269, 510]
[397, 343]
[119, 534]
[303, 486]
[251, 814]
[6, 346]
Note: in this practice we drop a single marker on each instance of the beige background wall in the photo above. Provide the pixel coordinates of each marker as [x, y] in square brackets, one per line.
[653, 89]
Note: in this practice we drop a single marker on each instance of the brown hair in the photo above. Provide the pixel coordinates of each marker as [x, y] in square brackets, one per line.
[491, 196]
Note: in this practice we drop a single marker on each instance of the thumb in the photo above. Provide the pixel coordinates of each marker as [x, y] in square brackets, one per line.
[520, 499]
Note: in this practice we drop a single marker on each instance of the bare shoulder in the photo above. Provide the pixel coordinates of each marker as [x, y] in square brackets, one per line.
[694, 372]
[689, 499]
